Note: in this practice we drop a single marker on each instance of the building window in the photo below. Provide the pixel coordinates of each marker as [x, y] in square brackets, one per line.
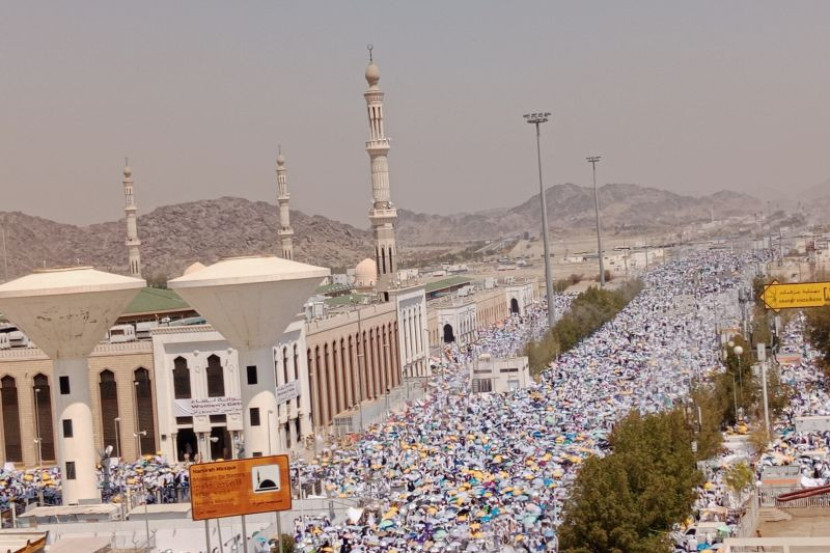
[11, 419]
[181, 379]
[67, 428]
[251, 375]
[215, 377]
[63, 382]
[70, 470]
[254, 416]
[144, 406]
[109, 407]
[43, 417]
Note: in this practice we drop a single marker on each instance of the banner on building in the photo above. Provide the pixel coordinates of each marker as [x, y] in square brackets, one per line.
[223, 405]
[288, 391]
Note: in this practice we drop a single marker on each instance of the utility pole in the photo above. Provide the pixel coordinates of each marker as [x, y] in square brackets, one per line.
[5, 256]
[593, 160]
[537, 119]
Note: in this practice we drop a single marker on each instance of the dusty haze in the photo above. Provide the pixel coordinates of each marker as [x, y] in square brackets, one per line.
[691, 98]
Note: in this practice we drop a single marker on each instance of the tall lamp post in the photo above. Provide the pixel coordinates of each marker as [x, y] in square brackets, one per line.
[738, 350]
[39, 444]
[537, 119]
[593, 160]
[116, 422]
[137, 435]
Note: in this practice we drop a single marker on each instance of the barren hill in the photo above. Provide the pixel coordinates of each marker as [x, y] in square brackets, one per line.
[175, 236]
[624, 208]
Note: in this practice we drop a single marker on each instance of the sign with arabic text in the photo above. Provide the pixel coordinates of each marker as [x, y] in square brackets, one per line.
[796, 295]
[240, 487]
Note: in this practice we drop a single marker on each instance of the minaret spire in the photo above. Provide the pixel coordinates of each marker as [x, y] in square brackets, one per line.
[383, 214]
[285, 232]
[132, 241]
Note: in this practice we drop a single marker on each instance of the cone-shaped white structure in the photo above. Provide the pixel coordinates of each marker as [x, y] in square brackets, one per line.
[66, 312]
[251, 301]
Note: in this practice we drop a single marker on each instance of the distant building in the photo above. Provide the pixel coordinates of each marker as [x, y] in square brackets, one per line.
[489, 374]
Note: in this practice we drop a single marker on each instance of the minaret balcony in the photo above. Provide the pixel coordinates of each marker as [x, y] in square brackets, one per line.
[383, 216]
[375, 147]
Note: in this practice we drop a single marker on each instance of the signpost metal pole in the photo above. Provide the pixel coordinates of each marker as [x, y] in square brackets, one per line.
[219, 535]
[766, 398]
[207, 534]
[279, 533]
[244, 535]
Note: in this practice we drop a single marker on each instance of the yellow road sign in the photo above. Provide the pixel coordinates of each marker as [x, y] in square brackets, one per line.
[796, 295]
[240, 487]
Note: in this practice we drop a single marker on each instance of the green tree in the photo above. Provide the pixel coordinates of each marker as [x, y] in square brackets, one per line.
[738, 479]
[628, 501]
[818, 333]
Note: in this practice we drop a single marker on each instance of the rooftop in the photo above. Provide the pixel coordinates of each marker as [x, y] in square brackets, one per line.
[154, 300]
[447, 283]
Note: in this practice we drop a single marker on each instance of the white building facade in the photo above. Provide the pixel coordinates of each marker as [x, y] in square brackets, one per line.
[200, 401]
[520, 297]
[413, 339]
[489, 374]
[457, 321]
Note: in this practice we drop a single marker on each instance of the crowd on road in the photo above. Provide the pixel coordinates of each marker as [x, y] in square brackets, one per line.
[489, 472]
[457, 471]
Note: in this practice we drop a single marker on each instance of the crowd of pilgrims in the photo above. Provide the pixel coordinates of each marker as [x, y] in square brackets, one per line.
[490, 472]
[457, 471]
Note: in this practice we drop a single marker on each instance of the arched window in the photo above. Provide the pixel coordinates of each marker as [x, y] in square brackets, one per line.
[285, 373]
[181, 379]
[43, 417]
[107, 390]
[215, 377]
[11, 420]
[296, 363]
[144, 409]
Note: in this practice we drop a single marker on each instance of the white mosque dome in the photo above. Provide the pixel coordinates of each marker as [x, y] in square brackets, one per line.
[280, 159]
[372, 74]
[127, 171]
[366, 273]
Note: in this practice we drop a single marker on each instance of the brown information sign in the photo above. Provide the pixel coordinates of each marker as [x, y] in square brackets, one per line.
[240, 487]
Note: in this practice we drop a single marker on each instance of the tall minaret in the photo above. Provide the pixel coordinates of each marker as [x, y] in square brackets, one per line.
[285, 232]
[383, 213]
[132, 228]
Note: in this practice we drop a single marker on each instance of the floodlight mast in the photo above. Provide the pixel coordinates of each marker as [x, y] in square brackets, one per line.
[593, 160]
[537, 119]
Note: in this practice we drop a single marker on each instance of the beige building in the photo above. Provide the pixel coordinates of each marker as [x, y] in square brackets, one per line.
[123, 402]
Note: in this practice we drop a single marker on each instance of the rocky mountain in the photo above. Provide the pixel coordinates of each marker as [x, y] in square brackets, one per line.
[624, 208]
[175, 236]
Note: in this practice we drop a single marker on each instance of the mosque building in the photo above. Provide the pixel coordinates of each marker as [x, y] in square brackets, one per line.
[173, 386]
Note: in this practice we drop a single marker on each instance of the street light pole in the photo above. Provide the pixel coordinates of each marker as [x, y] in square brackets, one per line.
[138, 436]
[537, 119]
[5, 257]
[39, 443]
[738, 350]
[116, 423]
[270, 450]
[360, 345]
[593, 160]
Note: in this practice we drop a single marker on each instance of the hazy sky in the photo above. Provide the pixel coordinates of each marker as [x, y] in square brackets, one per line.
[687, 96]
